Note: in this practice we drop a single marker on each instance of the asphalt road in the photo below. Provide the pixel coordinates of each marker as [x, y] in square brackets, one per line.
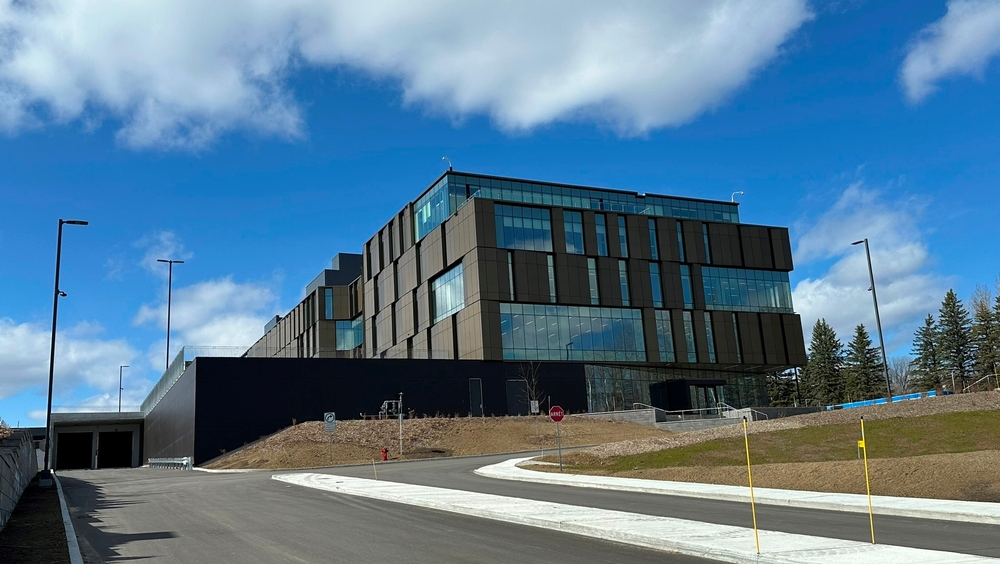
[457, 473]
[194, 517]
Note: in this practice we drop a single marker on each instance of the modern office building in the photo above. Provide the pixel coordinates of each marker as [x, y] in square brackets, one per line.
[664, 300]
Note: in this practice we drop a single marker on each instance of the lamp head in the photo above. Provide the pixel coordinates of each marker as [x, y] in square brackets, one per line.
[858, 242]
[61, 293]
[76, 222]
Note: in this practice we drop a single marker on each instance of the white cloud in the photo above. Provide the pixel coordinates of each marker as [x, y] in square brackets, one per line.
[961, 43]
[212, 313]
[161, 245]
[82, 358]
[907, 290]
[178, 73]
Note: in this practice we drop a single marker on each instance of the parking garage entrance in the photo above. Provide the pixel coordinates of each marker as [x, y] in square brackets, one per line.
[96, 440]
[73, 451]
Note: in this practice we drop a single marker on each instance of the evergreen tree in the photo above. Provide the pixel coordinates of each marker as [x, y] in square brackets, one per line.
[862, 368]
[985, 333]
[955, 340]
[822, 379]
[926, 365]
[781, 388]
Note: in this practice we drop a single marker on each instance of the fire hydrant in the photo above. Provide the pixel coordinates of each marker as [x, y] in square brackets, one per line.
[385, 454]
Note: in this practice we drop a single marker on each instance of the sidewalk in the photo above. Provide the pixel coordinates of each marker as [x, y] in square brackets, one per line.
[947, 510]
[716, 542]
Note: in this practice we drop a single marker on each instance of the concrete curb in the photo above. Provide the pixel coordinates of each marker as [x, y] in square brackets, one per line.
[716, 542]
[940, 509]
[74, 547]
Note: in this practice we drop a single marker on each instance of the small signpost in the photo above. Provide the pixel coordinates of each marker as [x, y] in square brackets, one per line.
[330, 426]
[556, 413]
[534, 407]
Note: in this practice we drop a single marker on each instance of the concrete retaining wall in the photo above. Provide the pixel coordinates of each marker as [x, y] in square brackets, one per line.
[639, 416]
[18, 465]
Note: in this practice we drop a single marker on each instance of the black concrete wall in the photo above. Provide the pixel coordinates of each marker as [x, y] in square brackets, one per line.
[238, 400]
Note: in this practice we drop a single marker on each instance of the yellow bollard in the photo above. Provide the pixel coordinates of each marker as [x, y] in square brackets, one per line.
[868, 488]
[753, 506]
[374, 470]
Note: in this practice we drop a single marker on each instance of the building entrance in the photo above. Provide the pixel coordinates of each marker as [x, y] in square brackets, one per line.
[114, 449]
[73, 451]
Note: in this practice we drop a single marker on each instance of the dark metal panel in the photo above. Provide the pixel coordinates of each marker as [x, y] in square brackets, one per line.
[666, 232]
[649, 335]
[697, 287]
[694, 246]
[774, 343]
[794, 342]
[170, 426]
[673, 293]
[589, 233]
[638, 236]
[725, 337]
[680, 343]
[750, 338]
[782, 248]
[614, 246]
[700, 335]
[558, 230]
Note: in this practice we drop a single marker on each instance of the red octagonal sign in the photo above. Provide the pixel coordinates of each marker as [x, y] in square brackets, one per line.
[556, 413]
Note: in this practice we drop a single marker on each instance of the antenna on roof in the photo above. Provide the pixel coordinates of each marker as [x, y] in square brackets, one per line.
[732, 197]
[449, 162]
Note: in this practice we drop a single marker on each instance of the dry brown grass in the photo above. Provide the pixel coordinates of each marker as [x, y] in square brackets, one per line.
[306, 444]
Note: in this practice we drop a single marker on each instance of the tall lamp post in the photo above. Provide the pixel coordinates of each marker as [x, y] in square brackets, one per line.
[120, 386]
[52, 347]
[878, 323]
[170, 284]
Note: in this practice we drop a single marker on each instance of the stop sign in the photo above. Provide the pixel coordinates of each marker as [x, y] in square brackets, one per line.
[556, 413]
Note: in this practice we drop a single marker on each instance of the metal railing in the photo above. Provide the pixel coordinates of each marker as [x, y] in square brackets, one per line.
[18, 465]
[988, 379]
[748, 412]
[722, 411]
[180, 463]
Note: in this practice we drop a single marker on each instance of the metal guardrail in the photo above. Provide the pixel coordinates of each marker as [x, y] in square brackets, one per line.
[181, 463]
[722, 411]
[18, 465]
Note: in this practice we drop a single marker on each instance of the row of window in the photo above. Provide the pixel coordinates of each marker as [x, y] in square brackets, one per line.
[549, 332]
[530, 229]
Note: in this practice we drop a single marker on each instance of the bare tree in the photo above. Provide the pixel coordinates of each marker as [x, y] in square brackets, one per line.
[527, 372]
[899, 375]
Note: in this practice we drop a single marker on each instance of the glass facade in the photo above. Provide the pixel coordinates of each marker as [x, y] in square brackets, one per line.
[350, 334]
[654, 283]
[708, 251]
[680, 241]
[709, 337]
[741, 289]
[692, 350]
[328, 302]
[442, 200]
[523, 228]
[653, 245]
[665, 336]
[614, 388]
[448, 293]
[573, 226]
[552, 332]
[623, 280]
[589, 198]
[602, 234]
[595, 297]
[622, 236]
[686, 286]
[552, 278]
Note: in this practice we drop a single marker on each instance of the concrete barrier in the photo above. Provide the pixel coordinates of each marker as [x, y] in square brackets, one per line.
[18, 466]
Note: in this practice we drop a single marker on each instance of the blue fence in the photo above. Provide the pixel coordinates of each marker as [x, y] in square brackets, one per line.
[880, 401]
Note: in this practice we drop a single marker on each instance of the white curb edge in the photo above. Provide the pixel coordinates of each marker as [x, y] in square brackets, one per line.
[74, 547]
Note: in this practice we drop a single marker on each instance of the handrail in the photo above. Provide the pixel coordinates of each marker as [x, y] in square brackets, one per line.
[647, 406]
[969, 387]
[755, 415]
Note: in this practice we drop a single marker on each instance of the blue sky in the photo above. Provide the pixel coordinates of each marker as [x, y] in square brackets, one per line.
[257, 143]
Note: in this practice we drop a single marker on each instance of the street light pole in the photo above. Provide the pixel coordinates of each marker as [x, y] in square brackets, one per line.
[878, 322]
[170, 284]
[57, 293]
[120, 386]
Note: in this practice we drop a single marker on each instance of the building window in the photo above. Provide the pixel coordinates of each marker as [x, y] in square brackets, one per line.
[573, 225]
[510, 273]
[686, 286]
[602, 234]
[548, 332]
[692, 352]
[328, 302]
[552, 278]
[350, 334]
[680, 241]
[708, 252]
[654, 282]
[709, 337]
[524, 228]
[595, 297]
[436, 206]
[448, 293]
[420, 265]
[665, 336]
[653, 248]
[743, 289]
[622, 236]
[623, 280]
[736, 334]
